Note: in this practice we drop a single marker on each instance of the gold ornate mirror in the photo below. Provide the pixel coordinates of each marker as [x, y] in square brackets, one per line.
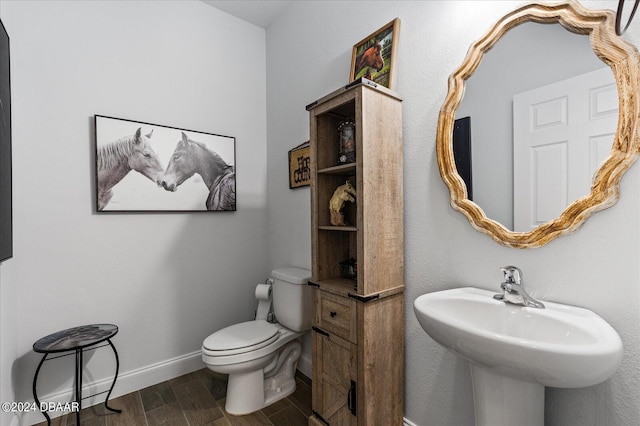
[536, 136]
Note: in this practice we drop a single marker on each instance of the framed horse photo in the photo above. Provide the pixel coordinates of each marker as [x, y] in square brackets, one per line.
[148, 167]
[374, 57]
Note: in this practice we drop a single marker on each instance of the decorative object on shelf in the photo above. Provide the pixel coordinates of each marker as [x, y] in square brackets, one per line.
[349, 269]
[124, 145]
[347, 148]
[374, 57]
[342, 193]
[299, 166]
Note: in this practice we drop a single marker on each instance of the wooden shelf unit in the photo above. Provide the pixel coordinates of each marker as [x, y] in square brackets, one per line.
[358, 325]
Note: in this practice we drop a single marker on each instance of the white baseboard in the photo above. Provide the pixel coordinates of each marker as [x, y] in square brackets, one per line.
[407, 422]
[127, 382]
[304, 364]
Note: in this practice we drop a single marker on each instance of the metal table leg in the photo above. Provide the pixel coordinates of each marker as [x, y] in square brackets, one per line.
[35, 394]
[115, 377]
[78, 383]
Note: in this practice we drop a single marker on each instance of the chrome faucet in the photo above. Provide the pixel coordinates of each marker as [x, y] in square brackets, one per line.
[514, 291]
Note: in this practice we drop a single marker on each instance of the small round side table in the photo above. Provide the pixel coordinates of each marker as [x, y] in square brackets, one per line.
[76, 339]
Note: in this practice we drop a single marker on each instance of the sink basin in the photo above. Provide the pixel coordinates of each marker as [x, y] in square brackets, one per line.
[515, 351]
[560, 346]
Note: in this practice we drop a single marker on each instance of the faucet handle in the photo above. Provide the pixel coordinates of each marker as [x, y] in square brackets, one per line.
[512, 274]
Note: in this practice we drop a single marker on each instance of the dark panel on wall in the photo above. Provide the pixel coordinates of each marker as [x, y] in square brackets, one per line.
[462, 151]
[6, 233]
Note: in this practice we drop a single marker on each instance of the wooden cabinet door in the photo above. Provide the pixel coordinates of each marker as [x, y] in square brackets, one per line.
[334, 378]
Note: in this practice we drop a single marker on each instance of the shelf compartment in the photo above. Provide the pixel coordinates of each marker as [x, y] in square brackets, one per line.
[339, 285]
[339, 228]
[337, 282]
[332, 248]
[328, 136]
[348, 169]
[325, 187]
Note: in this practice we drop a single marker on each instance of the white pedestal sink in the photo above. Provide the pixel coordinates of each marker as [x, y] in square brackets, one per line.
[515, 351]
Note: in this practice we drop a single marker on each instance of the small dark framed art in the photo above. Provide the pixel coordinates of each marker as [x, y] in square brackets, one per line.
[300, 166]
[149, 167]
[374, 57]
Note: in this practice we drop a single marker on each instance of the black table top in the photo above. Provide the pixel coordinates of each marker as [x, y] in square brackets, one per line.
[75, 338]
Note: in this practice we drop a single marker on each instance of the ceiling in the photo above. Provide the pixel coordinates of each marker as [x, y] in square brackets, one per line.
[259, 12]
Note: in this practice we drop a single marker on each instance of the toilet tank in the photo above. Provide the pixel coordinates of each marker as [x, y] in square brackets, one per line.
[292, 298]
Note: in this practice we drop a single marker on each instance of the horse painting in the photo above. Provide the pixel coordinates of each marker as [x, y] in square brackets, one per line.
[372, 58]
[116, 159]
[192, 157]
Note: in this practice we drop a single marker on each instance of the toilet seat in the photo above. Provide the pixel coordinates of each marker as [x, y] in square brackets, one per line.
[241, 338]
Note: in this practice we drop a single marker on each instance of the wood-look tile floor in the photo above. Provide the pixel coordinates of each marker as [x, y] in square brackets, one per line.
[195, 399]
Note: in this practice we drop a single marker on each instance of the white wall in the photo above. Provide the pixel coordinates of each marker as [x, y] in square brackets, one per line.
[8, 331]
[308, 56]
[167, 280]
[9, 342]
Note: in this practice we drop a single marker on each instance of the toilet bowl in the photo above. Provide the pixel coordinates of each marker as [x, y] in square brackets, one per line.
[260, 372]
[261, 357]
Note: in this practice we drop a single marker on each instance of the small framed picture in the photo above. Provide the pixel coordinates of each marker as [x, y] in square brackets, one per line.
[373, 58]
[299, 166]
[149, 167]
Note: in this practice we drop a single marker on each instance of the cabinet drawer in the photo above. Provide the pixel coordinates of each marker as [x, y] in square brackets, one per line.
[336, 314]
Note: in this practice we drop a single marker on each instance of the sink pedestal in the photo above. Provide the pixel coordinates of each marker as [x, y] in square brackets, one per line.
[558, 346]
[501, 400]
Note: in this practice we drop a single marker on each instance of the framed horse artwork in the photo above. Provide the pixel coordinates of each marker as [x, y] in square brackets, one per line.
[374, 57]
[148, 167]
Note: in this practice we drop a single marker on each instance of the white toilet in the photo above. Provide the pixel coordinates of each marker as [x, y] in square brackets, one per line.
[261, 357]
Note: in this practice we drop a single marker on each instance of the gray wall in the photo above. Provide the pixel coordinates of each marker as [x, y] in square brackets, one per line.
[308, 56]
[167, 280]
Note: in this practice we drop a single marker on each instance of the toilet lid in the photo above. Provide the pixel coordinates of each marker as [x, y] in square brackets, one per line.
[242, 337]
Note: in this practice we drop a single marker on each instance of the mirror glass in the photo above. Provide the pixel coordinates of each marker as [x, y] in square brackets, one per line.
[537, 120]
[540, 123]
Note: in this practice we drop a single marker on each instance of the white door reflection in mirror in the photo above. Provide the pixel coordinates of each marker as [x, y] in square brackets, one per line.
[562, 134]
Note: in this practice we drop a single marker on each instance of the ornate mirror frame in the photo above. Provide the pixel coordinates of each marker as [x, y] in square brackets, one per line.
[624, 60]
